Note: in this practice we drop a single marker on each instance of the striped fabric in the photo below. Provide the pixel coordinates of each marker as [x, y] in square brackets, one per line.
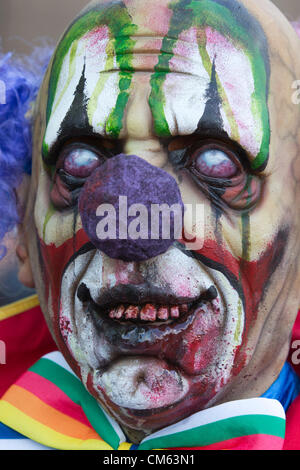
[26, 337]
[16, 308]
[48, 407]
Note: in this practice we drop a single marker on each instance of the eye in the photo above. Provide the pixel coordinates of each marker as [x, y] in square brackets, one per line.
[75, 164]
[80, 162]
[215, 163]
[222, 174]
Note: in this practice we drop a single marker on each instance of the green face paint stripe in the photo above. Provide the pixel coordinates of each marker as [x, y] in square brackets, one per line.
[259, 109]
[45, 148]
[115, 121]
[178, 24]
[115, 17]
[246, 236]
[203, 52]
[157, 102]
[124, 53]
[227, 108]
[51, 211]
[238, 329]
[246, 240]
[262, 158]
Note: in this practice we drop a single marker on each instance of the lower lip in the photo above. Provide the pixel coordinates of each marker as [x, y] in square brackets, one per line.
[141, 383]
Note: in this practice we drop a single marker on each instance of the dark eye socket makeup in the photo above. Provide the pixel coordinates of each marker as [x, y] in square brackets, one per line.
[213, 160]
[220, 168]
[215, 166]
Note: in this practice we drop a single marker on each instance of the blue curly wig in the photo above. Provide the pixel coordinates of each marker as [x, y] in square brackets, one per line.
[20, 80]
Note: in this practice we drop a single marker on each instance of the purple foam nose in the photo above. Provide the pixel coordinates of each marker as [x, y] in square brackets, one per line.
[118, 228]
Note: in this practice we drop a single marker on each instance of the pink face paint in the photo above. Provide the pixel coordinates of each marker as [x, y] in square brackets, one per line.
[96, 42]
[187, 57]
[157, 19]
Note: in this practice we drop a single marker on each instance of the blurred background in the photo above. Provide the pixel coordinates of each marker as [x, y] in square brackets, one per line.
[22, 22]
[28, 19]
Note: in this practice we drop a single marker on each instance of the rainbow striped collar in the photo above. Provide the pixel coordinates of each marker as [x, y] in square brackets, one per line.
[48, 407]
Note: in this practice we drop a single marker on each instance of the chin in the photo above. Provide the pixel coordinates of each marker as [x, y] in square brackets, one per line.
[151, 352]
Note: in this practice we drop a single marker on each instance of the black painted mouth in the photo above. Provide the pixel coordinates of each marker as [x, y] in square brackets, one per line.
[141, 337]
[136, 300]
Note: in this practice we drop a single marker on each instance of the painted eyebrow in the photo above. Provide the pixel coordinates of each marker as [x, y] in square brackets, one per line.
[75, 123]
[230, 18]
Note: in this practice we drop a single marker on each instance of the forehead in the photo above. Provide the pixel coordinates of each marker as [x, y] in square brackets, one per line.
[206, 60]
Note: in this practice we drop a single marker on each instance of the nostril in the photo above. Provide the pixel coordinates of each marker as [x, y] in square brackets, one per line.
[140, 378]
[83, 293]
[211, 294]
[131, 181]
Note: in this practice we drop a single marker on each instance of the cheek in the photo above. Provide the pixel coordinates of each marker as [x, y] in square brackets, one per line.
[53, 226]
[60, 235]
[250, 279]
[199, 220]
[54, 261]
[249, 235]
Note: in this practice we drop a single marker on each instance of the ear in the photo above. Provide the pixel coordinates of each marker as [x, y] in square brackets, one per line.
[25, 271]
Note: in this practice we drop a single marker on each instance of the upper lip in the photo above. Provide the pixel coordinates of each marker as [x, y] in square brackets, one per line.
[138, 295]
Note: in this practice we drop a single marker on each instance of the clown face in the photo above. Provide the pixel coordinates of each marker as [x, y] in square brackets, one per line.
[192, 89]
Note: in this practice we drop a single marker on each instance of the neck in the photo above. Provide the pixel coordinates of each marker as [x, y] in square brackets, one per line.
[255, 380]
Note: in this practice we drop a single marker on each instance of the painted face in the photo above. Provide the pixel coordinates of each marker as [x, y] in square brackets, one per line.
[185, 86]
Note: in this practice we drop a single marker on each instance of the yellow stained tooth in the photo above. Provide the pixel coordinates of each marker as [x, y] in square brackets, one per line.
[163, 313]
[112, 314]
[132, 312]
[148, 313]
[119, 312]
[175, 312]
[184, 308]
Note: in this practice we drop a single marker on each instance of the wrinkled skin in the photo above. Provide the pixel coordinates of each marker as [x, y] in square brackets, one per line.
[222, 82]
